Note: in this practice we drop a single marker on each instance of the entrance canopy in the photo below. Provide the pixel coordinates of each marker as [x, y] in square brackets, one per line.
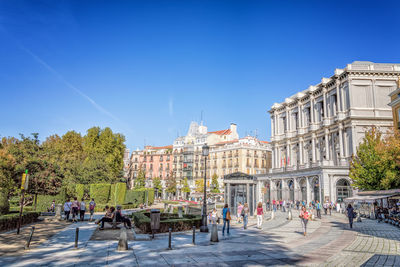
[369, 199]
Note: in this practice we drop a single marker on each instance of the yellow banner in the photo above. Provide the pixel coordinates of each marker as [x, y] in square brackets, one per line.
[23, 181]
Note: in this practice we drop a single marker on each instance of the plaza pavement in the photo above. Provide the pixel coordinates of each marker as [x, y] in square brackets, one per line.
[329, 242]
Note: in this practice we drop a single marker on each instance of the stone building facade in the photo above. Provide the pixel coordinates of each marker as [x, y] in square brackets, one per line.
[395, 104]
[315, 132]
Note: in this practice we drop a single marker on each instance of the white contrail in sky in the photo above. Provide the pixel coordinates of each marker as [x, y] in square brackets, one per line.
[71, 86]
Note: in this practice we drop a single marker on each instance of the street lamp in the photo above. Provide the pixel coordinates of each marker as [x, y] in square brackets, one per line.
[204, 227]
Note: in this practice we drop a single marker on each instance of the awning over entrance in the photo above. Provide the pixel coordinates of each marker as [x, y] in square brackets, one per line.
[367, 198]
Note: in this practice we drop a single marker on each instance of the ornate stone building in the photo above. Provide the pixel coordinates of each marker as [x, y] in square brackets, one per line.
[315, 132]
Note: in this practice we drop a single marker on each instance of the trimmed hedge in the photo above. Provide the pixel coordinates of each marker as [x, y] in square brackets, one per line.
[79, 191]
[100, 192]
[10, 221]
[101, 207]
[139, 196]
[134, 197]
[44, 201]
[142, 221]
[118, 192]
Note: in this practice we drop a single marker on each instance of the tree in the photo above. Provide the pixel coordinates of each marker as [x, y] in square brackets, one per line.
[215, 184]
[157, 185]
[170, 184]
[140, 180]
[374, 166]
[186, 188]
[199, 185]
[7, 169]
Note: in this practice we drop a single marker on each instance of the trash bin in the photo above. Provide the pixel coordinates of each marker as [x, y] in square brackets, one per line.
[154, 220]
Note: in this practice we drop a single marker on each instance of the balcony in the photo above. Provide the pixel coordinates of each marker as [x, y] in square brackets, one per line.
[223, 166]
[236, 155]
[236, 165]
[230, 155]
[224, 156]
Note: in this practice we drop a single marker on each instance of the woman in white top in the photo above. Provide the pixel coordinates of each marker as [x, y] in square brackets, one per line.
[82, 210]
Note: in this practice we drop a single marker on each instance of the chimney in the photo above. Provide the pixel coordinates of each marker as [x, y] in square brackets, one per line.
[233, 128]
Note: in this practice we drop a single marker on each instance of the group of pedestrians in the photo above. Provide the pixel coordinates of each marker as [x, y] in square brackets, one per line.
[76, 207]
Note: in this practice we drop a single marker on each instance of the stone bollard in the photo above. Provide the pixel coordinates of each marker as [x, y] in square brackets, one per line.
[180, 212]
[171, 209]
[289, 215]
[123, 240]
[272, 215]
[165, 207]
[214, 233]
[58, 212]
[358, 217]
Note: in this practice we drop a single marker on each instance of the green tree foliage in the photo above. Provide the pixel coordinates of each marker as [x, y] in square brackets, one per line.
[376, 163]
[140, 180]
[157, 183]
[62, 162]
[185, 187]
[170, 184]
[215, 184]
[199, 185]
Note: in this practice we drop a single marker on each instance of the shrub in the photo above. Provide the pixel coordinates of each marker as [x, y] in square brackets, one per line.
[43, 202]
[4, 204]
[100, 192]
[120, 192]
[134, 197]
[10, 221]
[79, 191]
[142, 221]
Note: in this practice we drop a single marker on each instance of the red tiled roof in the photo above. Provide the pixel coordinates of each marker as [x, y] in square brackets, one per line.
[265, 142]
[221, 132]
[160, 147]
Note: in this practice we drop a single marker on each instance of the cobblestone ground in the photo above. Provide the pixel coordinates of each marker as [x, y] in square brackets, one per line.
[280, 242]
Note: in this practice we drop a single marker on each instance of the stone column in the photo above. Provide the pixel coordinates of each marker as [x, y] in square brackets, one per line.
[272, 126]
[248, 200]
[301, 148]
[287, 120]
[308, 190]
[296, 189]
[313, 147]
[312, 109]
[300, 116]
[273, 157]
[276, 122]
[284, 189]
[228, 195]
[341, 142]
[338, 96]
[327, 156]
[289, 154]
[345, 145]
[325, 104]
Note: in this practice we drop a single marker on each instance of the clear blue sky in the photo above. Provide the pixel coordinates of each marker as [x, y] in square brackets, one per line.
[147, 68]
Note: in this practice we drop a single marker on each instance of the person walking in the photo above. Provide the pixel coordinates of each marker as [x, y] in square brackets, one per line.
[67, 209]
[246, 213]
[318, 209]
[239, 213]
[330, 208]
[284, 205]
[326, 208]
[92, 206]
[274, 204]
[226, 216]
[350, 215]
[75, 208]
[260, 213]
[82, 209]
[297, 204]
[304, 216]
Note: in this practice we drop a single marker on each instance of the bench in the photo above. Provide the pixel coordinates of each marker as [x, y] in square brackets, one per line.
[114, 224]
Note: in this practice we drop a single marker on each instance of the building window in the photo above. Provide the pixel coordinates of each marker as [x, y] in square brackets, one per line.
[284, 124]
[296, 123]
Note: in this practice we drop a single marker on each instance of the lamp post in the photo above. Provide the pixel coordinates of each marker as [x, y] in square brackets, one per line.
[204, 227]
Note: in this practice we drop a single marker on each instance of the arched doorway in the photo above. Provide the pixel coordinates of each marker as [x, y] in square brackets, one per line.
[279, 190]
[291, 190]
[303, 189]
[343, 190]
[316, 187]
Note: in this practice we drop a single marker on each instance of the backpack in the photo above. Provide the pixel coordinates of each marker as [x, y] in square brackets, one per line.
[228, 215]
